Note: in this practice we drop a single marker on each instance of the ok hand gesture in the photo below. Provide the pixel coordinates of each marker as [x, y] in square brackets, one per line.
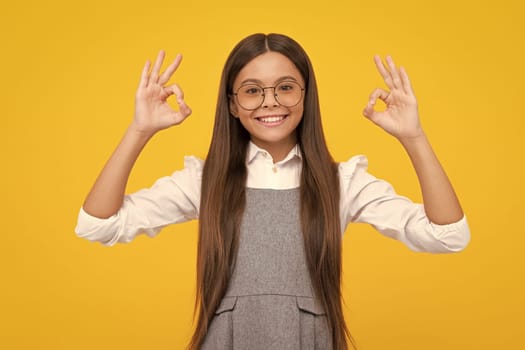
[152, 112]
[401, 118]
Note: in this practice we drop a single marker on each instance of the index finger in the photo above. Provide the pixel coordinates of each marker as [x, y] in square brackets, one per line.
[166, 75]
[384, 72]
[406, 81]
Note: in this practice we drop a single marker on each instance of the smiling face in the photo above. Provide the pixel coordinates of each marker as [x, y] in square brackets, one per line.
[271, 125]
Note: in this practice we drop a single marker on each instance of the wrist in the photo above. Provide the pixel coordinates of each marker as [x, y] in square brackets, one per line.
[414, 138]
[139, 135]
[140, 132]
[417, 147]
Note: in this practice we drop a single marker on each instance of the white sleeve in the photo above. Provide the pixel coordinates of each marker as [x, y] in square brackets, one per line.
[172, 199]
[367, 199]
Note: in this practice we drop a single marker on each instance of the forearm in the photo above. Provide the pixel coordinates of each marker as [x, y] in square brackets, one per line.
[440, 201]
[107, 194]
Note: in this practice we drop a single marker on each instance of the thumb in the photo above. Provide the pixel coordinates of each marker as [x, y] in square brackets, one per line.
[368, 111]
[175, 89]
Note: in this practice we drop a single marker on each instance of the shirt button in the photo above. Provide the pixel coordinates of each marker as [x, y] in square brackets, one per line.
[274, 169]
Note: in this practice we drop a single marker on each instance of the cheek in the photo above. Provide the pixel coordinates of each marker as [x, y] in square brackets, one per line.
[244, 116]
[298, 110]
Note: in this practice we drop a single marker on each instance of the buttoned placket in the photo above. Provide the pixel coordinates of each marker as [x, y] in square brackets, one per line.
[267, 156]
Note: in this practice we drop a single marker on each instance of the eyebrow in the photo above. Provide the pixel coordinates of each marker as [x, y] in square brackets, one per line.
[257, 81]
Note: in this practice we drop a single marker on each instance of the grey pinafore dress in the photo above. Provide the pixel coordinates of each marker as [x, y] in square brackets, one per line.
[270, 302]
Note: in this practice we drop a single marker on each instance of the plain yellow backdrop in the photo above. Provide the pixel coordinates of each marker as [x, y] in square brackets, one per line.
[69, 73]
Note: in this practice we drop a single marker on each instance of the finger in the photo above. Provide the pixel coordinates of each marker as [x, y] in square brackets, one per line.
[144, 75]
[368, 111]
[154, 77]
[381, 94]
[407, 85]
[378, 94]
[170, 70]
[184, 109]
[175, 89]
[383, 71]
[396, 80]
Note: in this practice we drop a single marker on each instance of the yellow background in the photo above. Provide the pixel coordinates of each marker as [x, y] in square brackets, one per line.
[69, 73]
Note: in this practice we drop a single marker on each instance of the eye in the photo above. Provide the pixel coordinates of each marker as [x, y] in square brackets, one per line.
[251, 90]
[287, 86]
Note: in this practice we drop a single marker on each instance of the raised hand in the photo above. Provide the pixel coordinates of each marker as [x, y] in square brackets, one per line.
[152, 111]
[401, 117]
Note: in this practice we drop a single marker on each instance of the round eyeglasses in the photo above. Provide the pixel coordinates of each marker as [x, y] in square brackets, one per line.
[251, 96]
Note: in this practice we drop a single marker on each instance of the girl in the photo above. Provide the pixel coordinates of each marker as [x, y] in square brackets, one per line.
[271, 202]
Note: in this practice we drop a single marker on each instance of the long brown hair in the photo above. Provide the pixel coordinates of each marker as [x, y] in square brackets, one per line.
[223, 195]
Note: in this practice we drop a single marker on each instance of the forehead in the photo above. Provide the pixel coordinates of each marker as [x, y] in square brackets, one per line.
[268, 68]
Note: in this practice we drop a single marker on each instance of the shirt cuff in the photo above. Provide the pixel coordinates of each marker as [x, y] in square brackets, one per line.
[455, 236]
[96, 229]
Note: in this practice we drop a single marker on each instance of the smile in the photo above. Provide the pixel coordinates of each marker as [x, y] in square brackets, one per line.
[271, 119]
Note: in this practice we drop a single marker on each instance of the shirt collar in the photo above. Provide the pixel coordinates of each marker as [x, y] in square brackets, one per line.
[254, 151]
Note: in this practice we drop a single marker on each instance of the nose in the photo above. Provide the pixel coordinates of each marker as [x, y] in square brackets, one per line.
[269, 98]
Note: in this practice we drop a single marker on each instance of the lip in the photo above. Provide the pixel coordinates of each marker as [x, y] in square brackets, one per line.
[271, 120]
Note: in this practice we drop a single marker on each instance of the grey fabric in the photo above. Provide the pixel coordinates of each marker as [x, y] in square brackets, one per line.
[270, 302]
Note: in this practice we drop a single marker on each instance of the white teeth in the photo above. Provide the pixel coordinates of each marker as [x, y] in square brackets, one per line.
[271, 119]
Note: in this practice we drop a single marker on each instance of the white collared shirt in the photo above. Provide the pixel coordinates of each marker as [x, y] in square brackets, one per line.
[364, 198]
[264, 173]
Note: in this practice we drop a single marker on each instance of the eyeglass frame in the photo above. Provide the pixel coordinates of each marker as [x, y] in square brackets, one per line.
[263, 88]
